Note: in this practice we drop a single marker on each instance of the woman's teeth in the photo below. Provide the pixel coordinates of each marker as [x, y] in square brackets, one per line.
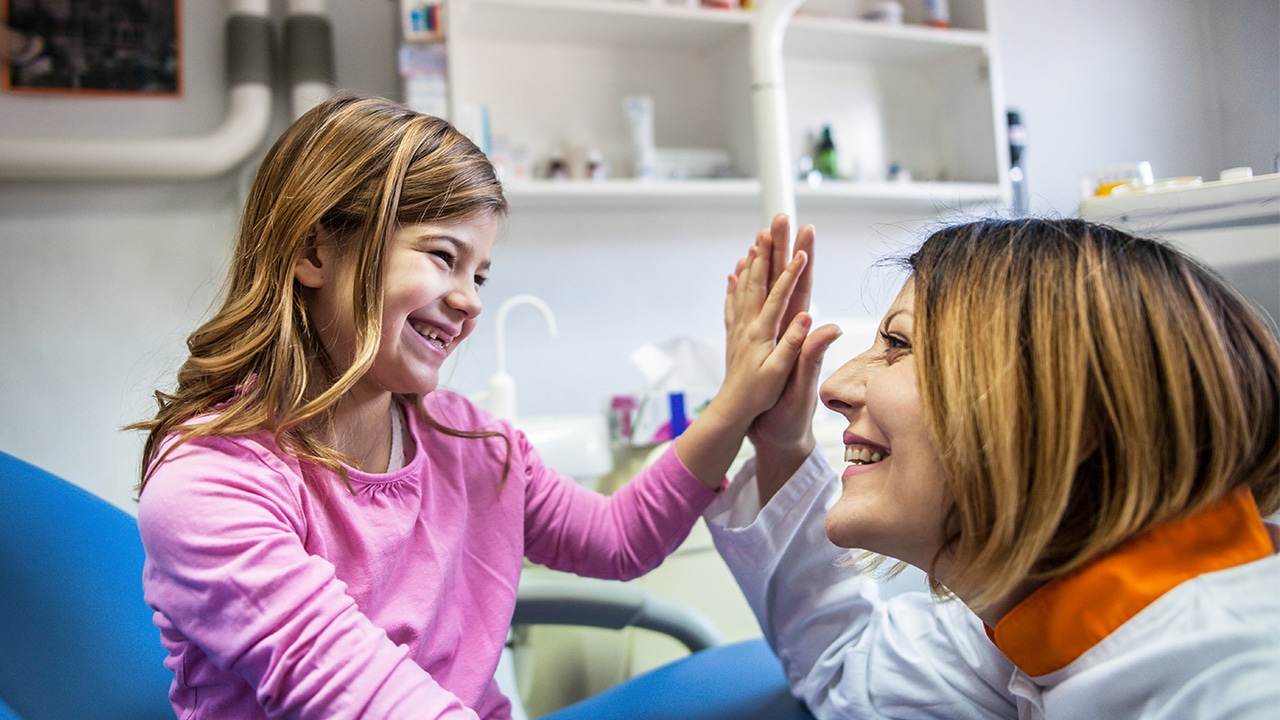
[859, 455]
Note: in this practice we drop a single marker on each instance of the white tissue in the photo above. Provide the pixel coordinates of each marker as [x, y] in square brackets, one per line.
[680, 363]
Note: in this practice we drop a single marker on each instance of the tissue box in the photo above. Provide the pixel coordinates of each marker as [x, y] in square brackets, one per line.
[656, 416]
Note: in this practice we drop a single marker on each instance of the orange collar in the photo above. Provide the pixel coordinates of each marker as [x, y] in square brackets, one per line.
[1066, 617]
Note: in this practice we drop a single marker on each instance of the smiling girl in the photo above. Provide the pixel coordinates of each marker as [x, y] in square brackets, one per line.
[1075, 433]
[329, 533]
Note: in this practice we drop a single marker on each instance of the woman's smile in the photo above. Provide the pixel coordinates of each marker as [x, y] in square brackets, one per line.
[890, 504]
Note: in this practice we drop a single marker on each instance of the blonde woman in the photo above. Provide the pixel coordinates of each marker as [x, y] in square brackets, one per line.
[1076, 434]
[329, 533]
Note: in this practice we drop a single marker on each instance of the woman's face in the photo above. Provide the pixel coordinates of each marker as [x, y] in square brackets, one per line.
[432, 276]
[893, 498]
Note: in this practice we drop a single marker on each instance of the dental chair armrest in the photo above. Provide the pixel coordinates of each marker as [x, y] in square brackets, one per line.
[550, 598]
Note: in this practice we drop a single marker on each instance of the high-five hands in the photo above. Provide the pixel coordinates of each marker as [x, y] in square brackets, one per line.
[764, 334]
[783, 433]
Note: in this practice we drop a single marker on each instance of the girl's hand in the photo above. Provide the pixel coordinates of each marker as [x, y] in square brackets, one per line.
[761, 350]
[764, 329]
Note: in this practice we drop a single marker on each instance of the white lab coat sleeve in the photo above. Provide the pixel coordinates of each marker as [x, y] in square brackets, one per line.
[846, 652]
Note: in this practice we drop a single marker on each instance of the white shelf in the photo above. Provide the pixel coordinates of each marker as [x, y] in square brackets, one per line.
[604, 23]
[827, 38]
[631, 193]
[548, 194]
[922, 193]
[639, 24]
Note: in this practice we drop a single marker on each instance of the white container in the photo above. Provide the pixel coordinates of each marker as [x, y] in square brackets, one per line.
[639, 109]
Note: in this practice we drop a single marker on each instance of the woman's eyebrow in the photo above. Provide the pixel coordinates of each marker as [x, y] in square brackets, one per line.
[884, 325]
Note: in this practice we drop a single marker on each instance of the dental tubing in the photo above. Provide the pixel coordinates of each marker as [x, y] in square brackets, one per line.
[249, 73]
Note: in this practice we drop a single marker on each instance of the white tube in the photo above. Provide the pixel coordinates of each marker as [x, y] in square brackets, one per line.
[769, 107]
[228, 145]
[502, 387]
[179, 158]
[308, 37]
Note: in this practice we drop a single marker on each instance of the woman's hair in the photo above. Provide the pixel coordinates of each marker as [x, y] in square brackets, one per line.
[357, 167]
[1084, 386]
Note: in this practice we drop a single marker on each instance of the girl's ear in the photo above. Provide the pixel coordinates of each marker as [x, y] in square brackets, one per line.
[309, 268]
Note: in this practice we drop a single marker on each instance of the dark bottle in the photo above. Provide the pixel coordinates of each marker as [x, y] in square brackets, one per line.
[824, 155]
[1017, 173]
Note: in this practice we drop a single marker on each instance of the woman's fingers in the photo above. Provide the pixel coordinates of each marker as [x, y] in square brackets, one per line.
[805, 237]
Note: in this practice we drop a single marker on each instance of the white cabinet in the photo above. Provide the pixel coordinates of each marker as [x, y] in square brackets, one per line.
[547, 78]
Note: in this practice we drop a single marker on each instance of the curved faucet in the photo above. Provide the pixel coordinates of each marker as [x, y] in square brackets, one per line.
[502, 387]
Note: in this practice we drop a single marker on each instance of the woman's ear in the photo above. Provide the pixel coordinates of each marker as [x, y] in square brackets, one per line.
[309, 268]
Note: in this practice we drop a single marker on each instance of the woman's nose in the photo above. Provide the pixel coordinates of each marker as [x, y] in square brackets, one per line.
[845, 390]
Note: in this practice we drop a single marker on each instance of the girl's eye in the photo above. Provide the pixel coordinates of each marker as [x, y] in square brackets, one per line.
[444, 255]
[480, 280]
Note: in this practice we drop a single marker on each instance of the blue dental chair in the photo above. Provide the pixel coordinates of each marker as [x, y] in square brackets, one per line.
[76, 638]
[77, 641]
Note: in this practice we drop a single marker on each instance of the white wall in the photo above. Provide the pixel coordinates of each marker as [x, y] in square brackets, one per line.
[99, 285]
[1193, 87]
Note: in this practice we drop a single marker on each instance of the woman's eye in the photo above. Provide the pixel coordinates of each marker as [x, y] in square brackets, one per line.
[894, 344]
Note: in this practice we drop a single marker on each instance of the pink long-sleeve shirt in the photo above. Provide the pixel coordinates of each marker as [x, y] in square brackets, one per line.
[278, 593]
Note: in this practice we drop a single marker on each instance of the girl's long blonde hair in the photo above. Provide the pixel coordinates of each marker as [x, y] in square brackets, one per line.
[357, 167]
[1084, 386]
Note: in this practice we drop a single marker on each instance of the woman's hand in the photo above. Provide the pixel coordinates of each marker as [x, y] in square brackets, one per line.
[764, 327]
[783, 434]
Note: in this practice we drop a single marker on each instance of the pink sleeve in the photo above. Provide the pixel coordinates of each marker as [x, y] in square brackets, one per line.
[623, 536]
[226, 568]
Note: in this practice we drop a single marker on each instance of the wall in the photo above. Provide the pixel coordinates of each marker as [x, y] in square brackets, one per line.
[100, 284]
[1192, 87]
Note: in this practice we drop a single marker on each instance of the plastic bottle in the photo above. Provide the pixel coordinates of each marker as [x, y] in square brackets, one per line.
[824, 155]
[937, 13]
[639, 109]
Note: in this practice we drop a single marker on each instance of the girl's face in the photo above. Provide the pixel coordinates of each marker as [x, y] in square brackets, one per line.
[893, 497]
[431, 283]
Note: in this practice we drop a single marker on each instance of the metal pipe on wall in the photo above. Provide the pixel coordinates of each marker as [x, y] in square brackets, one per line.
[249, 72]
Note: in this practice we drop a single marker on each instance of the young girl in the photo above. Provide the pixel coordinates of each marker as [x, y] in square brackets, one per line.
[327, 533]
[1072, 431]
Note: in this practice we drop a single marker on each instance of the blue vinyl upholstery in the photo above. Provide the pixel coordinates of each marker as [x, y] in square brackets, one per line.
[76, 638]
[738, 681]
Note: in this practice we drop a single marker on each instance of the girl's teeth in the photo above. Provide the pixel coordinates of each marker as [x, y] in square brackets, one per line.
[432, 336]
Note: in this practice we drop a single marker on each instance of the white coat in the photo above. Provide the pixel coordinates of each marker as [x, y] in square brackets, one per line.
[1207, 648]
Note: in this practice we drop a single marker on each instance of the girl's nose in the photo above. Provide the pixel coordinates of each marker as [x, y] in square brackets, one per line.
[465, 299]
[845, 390]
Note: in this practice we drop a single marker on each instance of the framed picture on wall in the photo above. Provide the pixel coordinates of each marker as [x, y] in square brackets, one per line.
[87, 47]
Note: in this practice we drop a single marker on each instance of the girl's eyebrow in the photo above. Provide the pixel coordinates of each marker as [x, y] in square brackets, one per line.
[460, 247]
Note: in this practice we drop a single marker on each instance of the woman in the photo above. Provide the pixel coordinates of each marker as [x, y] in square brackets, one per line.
[1076, 434]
